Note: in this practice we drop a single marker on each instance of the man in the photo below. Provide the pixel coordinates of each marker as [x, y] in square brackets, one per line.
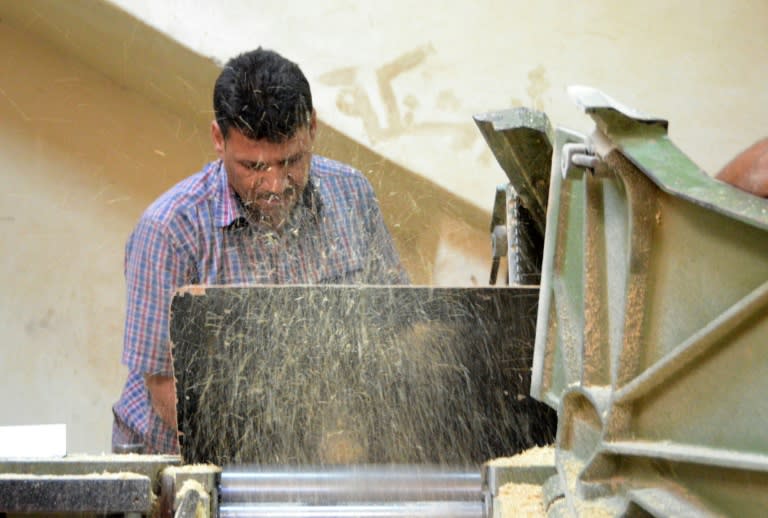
[749, 169]
[267, 211]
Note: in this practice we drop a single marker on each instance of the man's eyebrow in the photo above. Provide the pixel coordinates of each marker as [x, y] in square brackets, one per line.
[258, 163]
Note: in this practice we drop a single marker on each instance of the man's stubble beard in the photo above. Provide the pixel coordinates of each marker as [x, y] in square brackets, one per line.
[280, 216]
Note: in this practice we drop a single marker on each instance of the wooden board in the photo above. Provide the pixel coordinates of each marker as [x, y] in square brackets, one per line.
[344, 374]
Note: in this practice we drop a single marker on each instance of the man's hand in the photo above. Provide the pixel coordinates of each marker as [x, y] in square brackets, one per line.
[749, 169]
[162, 396]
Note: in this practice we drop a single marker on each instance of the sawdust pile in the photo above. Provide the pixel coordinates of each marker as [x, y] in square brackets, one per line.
[536, 456]
[519, 500]
[343, 375]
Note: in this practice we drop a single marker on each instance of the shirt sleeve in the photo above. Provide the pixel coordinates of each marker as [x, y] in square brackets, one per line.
[383, 264]
[154, 268]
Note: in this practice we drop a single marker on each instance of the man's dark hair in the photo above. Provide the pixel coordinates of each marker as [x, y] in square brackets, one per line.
[263, 95]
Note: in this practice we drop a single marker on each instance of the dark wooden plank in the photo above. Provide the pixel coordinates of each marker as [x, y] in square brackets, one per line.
[343, 374]
[96, 493]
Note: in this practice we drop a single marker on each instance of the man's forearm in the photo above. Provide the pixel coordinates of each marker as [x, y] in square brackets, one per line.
[162, 396]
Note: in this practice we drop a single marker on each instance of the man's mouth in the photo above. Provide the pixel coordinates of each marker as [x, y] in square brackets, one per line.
[273, 200]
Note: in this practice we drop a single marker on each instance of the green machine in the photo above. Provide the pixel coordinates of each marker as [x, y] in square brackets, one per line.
[652, 334]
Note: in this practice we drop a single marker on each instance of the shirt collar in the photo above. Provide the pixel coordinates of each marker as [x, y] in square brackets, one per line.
[229, 209]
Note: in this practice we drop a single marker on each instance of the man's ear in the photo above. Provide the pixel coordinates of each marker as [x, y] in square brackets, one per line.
[218, 139]
[313, 125]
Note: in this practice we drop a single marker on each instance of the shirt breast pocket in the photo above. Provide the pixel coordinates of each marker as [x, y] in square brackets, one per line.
[342, 263]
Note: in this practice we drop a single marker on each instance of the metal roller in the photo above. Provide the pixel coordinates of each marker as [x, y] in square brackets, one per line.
[382, 510]
[382, 491]
[357, 483]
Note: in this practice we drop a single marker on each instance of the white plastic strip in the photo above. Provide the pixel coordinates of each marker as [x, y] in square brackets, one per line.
[45, 440]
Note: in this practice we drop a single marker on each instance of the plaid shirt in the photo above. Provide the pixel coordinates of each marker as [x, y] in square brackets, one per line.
[197, 233]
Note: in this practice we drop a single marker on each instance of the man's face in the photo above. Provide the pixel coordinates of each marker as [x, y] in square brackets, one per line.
[269, 177]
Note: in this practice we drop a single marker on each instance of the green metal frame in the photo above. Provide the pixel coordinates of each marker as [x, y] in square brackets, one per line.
[652, 327]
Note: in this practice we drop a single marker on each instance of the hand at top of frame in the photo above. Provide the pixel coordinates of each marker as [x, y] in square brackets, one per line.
[748, 170]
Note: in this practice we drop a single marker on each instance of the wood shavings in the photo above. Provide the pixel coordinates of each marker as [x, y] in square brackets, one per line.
[519, 501]
[536, 456]
[335, 375]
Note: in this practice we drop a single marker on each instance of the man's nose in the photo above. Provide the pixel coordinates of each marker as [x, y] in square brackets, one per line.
[274, 180]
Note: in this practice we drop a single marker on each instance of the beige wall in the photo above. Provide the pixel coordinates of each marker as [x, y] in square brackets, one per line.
[81, 155]
[404, 76]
